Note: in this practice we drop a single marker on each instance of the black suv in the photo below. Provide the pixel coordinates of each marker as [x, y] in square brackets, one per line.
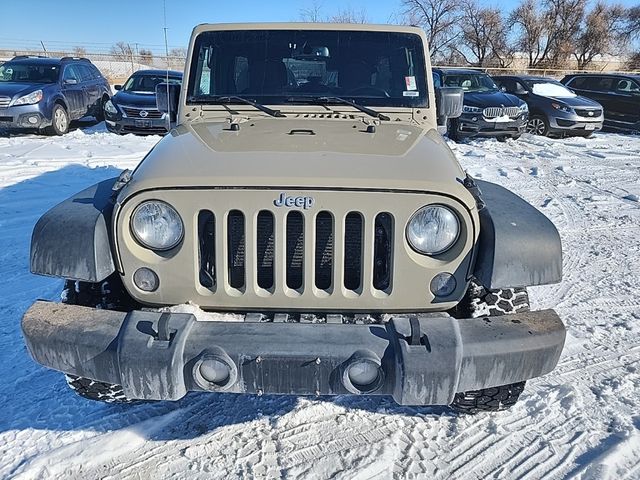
[48, 93]
[487, 111]
[619, 94]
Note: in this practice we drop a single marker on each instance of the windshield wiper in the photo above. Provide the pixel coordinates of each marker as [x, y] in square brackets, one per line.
[233, 99]
[357, 106]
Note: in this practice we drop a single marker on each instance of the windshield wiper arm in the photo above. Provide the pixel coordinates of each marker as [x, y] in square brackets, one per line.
[357, 106]
[246, 101]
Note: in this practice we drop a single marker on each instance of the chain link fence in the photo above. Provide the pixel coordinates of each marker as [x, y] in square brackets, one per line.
[118, 67]
[115, 67]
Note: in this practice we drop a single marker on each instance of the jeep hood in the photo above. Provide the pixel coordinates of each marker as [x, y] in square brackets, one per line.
[302, 153]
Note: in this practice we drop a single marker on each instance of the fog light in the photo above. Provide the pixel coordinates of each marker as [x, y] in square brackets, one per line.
[215, 371]
[146, 279]
[33, 120]
[363, 373]
[443, 284]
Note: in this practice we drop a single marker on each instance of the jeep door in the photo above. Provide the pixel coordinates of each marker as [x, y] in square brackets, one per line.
[73, 91]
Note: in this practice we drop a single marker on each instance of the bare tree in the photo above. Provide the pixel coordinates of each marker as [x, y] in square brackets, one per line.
[601, 33]
[564, 18]
[312, 13]
[439, 18]
[632, 23]
[483, 30]
[146, 56]
[122, 51]
[345, 15]
[79, 52]
[532, 29]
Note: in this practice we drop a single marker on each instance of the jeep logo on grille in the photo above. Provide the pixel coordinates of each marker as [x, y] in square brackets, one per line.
[300, 202]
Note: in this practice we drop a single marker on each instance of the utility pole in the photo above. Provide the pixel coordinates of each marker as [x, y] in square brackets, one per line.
[43, 47]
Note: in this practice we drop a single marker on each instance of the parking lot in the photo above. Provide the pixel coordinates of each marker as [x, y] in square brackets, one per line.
[579, 421]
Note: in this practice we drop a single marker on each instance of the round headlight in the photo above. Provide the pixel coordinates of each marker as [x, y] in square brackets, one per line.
[156, 225]
[433, 229]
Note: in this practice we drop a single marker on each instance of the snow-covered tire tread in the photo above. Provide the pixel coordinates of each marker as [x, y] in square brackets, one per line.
[94, 390]
[492, 399]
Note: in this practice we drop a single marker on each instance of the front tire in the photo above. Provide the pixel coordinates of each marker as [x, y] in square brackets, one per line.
[109, 294]
[59, 121]
[452, 130]
[538, 125]
[482, 302]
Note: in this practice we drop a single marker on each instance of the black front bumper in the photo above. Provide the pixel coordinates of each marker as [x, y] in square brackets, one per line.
[423, 359]
[475, 125]
[140, 126]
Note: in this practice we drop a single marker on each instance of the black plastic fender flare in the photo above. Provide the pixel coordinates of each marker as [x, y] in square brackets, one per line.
[72, 240]
[518, 246]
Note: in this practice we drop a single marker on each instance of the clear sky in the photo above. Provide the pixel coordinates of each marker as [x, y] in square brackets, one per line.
[96, 25]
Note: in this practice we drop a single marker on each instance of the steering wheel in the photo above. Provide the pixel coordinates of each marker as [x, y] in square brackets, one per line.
[377, 92]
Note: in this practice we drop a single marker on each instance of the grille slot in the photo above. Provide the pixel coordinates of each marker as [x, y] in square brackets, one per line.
[382, 251]
[265, 249]
[324, 250]
[492, 112]
[207, 248]
[236, 249]
[4, 102]
[295, 250]
[353, 226]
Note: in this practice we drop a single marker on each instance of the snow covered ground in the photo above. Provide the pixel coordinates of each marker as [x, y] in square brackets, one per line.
[581, 421]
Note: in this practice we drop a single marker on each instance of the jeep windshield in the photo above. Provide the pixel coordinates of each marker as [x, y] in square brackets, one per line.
[297, 66]
[21, 72]
[470, 82]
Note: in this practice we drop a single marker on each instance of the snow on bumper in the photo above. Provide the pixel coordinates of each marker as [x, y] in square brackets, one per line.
[422, 359]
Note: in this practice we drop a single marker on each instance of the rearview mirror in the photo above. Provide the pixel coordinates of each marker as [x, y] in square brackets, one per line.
[449, 101]
[167, 98]
[503, 89]
[71, 81]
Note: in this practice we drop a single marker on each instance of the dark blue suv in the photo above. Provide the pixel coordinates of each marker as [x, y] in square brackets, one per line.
[48, 93]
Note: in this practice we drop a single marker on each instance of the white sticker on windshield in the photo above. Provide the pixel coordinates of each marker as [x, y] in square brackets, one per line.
[411, 83]
[410, 94]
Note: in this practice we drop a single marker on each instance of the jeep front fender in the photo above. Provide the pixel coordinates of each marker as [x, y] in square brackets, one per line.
[518, 246]
[72, 239]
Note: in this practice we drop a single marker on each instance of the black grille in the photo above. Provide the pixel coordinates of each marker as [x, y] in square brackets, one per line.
[236, 245]
[382, 248]
[207, 248]
[135, 112]
[295, 250]
[265, 249]
[586, 113]
[324, 250]
[353, 251]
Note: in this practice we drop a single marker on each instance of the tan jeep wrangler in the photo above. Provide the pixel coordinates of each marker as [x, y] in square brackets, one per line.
[306, 188]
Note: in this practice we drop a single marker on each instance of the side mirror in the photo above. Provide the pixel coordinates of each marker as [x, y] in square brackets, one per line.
[503, 89]
[118, 87]
[449, 101]
[167, 98]
[71, 81]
